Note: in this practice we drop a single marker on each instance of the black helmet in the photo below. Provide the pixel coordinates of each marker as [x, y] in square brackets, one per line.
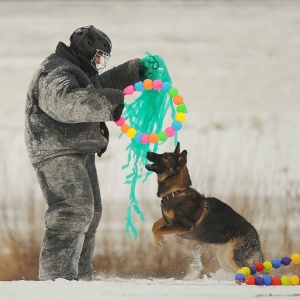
[88, 41]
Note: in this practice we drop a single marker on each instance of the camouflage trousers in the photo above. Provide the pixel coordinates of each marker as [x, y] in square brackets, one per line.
[70, 186]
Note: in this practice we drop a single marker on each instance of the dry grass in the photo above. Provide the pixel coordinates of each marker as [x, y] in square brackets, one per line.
[18, 263]
[177, 258]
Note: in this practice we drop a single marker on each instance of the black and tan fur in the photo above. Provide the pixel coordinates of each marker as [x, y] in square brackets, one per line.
[191, 215]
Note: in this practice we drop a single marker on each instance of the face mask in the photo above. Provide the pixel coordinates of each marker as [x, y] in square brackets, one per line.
[100, 60]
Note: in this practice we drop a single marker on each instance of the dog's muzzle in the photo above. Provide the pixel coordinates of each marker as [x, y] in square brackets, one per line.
[153, 157]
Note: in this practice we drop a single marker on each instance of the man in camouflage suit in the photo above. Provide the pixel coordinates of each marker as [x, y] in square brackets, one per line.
[67, 105]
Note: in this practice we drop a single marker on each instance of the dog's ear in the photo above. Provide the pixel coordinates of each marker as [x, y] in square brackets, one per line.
[182, 159]
[177, 149]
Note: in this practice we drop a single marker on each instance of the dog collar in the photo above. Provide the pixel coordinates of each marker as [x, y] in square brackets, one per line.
[172, 195]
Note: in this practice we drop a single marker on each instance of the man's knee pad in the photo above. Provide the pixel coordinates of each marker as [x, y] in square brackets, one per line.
[69, 218]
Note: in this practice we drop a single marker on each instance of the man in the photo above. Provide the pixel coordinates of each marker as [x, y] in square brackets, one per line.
[67, 105]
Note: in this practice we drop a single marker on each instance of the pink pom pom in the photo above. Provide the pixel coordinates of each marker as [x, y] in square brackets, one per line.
[170, 131]
[129, 90]
[120, 122]
[145, 138]
[157, 84]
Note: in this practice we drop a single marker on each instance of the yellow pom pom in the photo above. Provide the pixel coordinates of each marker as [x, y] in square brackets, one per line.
[247, 271]
[267, 266]
[295, 280]
[131, 132]
[285, 280]
[295, 258]
[180, 117]
[241, 271]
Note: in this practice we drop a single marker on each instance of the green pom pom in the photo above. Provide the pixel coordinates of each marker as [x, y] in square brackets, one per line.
[172, 92]
[181, 108]
[162, 136]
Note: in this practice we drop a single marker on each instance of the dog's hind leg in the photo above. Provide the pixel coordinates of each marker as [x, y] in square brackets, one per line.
[247, 251]
[237, 253]
[225, 256]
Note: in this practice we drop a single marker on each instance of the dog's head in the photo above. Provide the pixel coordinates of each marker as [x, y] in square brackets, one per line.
[168, 163]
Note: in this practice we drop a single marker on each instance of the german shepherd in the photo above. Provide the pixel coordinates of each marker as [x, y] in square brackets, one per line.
[191, 215]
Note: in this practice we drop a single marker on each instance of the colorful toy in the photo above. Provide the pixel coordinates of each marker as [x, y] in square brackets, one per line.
[160, 136]
[143, 121]
[248, 274]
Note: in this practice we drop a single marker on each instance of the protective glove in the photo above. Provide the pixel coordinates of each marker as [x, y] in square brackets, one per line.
[105, 133]
[142, 72]
[147, 65]
[117, 112]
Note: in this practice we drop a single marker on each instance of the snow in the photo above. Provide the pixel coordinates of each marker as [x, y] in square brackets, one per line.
[145, 289]
[237, 64]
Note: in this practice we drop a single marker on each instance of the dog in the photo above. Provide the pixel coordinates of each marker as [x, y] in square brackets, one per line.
[207, 220]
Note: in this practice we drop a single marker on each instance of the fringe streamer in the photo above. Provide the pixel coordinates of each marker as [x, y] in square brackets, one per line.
[146, 114]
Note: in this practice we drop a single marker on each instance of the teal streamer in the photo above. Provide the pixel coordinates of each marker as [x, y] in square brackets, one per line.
[146, 114]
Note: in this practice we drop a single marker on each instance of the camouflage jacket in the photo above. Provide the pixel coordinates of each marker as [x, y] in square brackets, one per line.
[65, 105]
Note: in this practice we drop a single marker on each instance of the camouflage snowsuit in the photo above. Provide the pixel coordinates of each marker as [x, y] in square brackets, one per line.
[65, 107]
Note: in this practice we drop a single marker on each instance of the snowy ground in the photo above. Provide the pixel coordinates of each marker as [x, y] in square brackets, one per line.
[157, 289]
[237, 64]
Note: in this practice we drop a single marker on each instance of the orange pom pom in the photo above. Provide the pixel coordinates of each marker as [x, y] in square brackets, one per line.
[276, 280]
[124, 128]
[177, 99]
[153, 138]
[250, 280]
[147, 84]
